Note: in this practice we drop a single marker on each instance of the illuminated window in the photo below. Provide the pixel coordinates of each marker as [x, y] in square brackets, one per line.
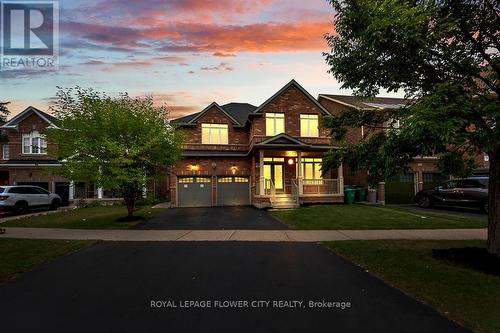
[311, 168]
[186, 180]
[203, 180]
[275, 123]
[309, 125]
[215, 134]
[34, 143]
[225, 180]
[274, 159]
[240, 180]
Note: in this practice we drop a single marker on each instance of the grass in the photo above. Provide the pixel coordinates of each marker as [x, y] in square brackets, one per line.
[21, 255]
[360, 216]
[464, 295]
[106, 217]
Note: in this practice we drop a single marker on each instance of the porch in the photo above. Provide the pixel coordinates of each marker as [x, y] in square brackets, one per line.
[289, 178]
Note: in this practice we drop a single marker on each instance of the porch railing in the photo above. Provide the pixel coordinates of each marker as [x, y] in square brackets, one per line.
[270, 190]
[321, 186]
[295, 190]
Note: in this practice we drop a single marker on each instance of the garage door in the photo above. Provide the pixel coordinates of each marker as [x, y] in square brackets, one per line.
[194, 191]
[400, 189]
[432, 179]
[233, 191]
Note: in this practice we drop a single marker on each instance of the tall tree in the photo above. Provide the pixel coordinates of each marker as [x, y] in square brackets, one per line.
[4, 111]
[118, 143]
[444, 54]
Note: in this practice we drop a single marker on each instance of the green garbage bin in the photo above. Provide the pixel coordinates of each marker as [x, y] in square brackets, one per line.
[361, 193]
[349, 195]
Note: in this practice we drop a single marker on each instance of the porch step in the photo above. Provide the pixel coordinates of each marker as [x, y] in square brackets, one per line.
[284, 201]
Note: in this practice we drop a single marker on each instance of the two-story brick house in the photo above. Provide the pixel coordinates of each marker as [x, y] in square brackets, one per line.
[267, 156]
[25, 159]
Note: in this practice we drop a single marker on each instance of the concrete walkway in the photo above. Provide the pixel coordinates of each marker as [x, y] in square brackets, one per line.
[244, 235]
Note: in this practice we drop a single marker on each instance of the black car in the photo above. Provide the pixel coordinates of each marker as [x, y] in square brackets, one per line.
[468, 192]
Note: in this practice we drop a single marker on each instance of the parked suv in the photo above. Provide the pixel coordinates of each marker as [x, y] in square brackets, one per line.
[468, 192]
[22, 198]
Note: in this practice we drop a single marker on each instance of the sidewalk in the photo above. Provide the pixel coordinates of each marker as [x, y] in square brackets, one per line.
[244, 235]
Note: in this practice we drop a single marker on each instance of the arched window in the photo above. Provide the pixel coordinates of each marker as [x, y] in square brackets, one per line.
[34, 143]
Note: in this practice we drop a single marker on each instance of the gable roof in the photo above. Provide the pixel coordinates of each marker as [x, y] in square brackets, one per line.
[14, 122]
[367, 103]
[301, 89]
[237, 112]
[282, 139]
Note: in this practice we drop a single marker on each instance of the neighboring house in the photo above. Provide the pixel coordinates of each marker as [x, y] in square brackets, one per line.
[400, 189]
[25, 159]
[267, 156]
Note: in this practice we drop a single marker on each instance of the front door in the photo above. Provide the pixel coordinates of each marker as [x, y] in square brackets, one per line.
[274, 172]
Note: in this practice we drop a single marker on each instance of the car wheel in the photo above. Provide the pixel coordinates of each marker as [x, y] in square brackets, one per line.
[54, 204]
[424, 202]
[21, 207]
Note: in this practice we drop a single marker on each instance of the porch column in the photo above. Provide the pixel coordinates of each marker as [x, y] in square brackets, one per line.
[71, 190]
[99, 193]
[299, 172]
[261, 173]
[341, 179]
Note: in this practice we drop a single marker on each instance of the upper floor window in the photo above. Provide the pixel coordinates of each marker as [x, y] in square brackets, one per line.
[34, 143]
[275, 123]
[309, 125]
[6, 151]
[214, 134]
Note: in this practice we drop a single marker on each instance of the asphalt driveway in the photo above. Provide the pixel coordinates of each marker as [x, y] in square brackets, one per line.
[108, 287]
[213, 218]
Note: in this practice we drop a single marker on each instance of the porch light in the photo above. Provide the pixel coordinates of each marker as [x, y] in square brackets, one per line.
[194, 167]
[290, 161]
[234, 168]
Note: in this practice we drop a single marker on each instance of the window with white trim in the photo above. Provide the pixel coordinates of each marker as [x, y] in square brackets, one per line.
[215, 134]
[34, 144]
[309, 125]
[311, 168]
[275, 123]
[6, 151]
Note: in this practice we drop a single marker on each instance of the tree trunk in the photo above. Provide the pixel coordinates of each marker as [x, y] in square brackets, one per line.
[494, 203]
[129, 196]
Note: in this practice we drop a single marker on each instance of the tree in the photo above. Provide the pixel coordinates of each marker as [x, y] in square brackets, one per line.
[4, 111]
[118, 143]
[444, 54]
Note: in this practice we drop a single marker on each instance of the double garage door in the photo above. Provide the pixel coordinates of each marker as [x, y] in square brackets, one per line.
[197, 191]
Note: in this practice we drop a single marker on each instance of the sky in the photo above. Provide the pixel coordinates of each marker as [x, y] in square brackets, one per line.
[184, 53]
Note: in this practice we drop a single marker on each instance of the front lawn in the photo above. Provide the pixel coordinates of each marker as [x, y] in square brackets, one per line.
[462, 294]
[106, 217]
[360, 216]
[18, 256]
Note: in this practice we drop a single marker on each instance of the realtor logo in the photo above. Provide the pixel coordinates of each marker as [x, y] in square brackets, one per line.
[29, 34]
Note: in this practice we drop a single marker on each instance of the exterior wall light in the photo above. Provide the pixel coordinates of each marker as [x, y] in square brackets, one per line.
[290, 161]
[234, 168]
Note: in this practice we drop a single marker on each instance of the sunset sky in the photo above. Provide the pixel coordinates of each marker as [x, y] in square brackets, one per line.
[186, 53]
